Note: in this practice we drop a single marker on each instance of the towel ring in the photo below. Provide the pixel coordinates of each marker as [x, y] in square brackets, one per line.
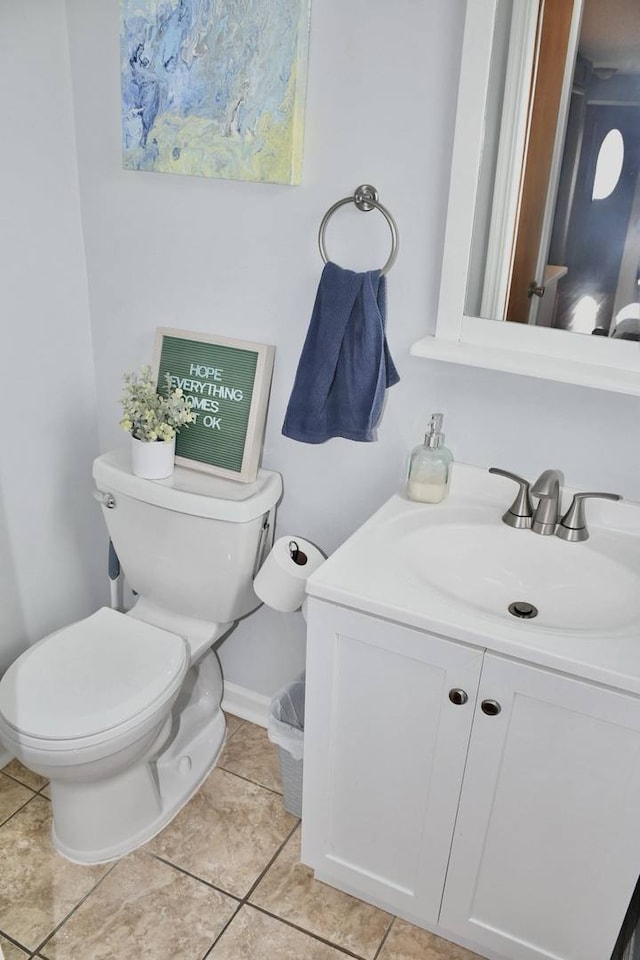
[365, 199]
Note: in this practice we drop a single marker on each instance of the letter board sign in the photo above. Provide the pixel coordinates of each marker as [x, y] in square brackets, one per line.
[227, 383]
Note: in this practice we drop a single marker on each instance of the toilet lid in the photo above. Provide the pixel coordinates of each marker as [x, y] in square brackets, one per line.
[94, 675]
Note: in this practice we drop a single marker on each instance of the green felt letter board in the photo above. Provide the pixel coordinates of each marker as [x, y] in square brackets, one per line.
[227, 382]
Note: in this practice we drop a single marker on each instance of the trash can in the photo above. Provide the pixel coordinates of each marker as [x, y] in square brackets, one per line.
[285, 728]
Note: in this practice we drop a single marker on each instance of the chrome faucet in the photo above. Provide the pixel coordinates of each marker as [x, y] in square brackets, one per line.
[547, 513]
[545, 519]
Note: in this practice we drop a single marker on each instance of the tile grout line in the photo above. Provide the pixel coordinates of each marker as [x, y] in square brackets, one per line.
[246, 902]
[3, 770]
[245, 899]
[16, 943]
[235, 913]
[50, 935]
[304, 930]
[384, 938]
[256, 783]
[193, 876]
[241, 724]
[21, 807]
[273, 859]
[308, 933]
[240, 900]
[7, 936]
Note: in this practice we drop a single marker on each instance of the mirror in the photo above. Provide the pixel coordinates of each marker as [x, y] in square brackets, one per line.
[566, 251]
[545, 194]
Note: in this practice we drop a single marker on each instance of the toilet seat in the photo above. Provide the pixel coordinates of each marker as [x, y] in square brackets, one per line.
[91, 682]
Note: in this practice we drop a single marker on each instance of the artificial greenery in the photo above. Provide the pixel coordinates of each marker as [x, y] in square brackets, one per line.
[150, 415]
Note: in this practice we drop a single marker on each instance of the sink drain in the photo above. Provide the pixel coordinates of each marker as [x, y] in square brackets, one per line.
[523, 610]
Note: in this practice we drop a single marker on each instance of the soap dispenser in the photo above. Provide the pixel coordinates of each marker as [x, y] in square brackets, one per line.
[430, 466]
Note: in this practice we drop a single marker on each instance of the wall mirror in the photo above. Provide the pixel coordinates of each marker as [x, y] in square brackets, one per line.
[541, 265]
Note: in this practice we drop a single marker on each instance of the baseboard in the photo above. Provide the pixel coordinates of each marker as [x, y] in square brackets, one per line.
[246, 704]
[5, 757]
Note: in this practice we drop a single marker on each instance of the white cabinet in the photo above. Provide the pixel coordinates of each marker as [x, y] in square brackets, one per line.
[384, 756]
[546, 851]
[543, 789]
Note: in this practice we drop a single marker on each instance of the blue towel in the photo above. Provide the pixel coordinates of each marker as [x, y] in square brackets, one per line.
[345, 365]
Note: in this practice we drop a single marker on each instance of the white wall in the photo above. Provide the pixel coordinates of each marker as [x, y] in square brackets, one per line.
[49, 521]
[241, 259]
[12, 628]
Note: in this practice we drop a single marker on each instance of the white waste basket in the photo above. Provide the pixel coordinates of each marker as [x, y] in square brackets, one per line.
[286, 729]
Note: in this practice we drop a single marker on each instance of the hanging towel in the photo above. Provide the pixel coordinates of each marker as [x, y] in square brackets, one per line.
[345, 365]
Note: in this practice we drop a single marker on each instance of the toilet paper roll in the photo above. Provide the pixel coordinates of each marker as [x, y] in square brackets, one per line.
[280, 582]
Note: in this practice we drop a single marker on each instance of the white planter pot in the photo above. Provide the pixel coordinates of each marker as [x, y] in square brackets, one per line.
[152, 460]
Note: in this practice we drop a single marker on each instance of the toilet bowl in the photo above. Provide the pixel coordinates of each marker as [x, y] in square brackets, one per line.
[121, 712]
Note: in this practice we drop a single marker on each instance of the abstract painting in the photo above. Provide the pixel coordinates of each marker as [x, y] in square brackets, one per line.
[214, 88]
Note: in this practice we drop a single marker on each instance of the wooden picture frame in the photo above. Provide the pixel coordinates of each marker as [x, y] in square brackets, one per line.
[227, 382]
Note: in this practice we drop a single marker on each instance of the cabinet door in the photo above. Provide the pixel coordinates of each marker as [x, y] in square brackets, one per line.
[384, 756]
[546, 851]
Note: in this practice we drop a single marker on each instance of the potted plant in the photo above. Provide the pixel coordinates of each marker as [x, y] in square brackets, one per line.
[153, 419]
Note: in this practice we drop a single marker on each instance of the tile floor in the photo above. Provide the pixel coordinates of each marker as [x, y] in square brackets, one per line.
[223, 882]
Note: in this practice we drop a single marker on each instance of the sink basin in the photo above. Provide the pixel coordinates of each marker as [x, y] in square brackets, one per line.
[453, 569]
[471, 558]
[456, 567]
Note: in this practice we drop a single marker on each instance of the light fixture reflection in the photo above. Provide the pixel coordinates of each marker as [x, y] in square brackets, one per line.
[608, 165]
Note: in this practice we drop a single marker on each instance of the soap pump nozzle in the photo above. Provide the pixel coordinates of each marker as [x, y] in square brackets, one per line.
[434, 436]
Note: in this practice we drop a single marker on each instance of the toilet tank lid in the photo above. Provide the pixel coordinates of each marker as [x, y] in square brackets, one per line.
[190, 491]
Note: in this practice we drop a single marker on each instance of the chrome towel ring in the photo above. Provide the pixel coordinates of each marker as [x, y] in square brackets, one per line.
[365, 199]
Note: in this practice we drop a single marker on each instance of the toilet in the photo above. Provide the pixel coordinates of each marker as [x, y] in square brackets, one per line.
[122, 711]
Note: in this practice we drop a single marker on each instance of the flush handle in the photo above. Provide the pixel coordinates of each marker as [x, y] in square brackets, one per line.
[263, 543]
[491, 707]
[105, 499]
[458, 697]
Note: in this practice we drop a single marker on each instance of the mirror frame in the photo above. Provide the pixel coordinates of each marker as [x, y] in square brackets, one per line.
[550, 354]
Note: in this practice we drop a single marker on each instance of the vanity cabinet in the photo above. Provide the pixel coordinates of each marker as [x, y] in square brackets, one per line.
[507, 821]
[385, 750]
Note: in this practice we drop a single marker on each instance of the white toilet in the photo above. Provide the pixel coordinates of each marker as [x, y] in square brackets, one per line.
[121, 712]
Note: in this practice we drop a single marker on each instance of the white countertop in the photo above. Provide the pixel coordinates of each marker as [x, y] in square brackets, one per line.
[367, 573]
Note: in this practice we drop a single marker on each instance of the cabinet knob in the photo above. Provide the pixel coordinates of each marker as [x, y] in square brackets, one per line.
[491, 707]
[458, 696]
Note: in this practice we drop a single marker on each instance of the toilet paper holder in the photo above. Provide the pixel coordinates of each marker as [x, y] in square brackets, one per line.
[297, 555]
[281, 581]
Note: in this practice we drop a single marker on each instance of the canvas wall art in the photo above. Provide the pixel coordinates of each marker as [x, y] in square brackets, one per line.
[214, 88]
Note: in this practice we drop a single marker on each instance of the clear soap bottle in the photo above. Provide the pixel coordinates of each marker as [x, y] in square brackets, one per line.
[430, 466]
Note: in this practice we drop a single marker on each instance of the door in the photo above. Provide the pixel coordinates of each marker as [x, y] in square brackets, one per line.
[546, 852]
[385, 748]
[555, 28]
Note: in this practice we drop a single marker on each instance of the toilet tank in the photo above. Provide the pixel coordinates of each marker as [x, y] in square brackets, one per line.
[192, 543]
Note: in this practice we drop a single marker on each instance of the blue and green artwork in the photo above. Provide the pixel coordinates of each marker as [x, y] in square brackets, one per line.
[214, 88]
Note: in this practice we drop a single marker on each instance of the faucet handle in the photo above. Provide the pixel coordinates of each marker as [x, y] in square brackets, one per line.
[520, 513]
[573, 525]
